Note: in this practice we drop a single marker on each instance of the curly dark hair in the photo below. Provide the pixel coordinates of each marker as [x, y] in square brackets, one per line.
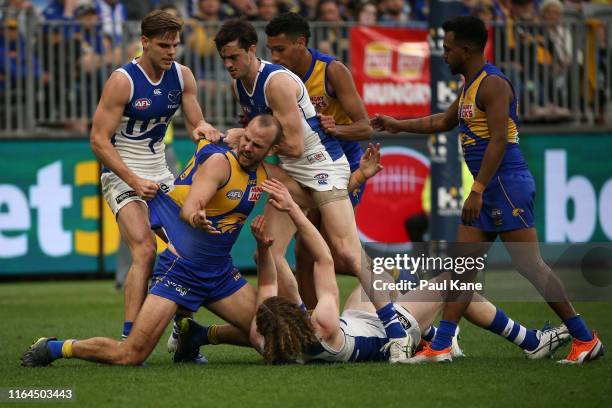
[468, 29]
[286, 329]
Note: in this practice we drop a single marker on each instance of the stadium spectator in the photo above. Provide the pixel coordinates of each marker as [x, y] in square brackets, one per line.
[200, 31]
[112, 16]
[334, 38]
[307, 8]
[60, 10]
[419, 10]
[267, 10]
[559, 44]
[367, 14]
[484, 10]
[394, 11]
[135, 10]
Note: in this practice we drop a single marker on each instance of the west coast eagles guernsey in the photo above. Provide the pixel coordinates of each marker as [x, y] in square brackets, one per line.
[228, 209]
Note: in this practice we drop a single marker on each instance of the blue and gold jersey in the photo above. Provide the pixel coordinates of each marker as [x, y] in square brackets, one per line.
[325, 102]
[474, 130]
[228, 209]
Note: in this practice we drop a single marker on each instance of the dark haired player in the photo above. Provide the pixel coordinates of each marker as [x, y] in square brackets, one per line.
[501, 199]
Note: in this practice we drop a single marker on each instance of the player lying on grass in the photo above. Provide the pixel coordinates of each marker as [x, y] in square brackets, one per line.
[202, 218]
[283, 332]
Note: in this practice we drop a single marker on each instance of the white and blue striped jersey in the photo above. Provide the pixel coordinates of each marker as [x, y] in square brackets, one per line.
[139, 137]
[323, 153]
[364, 337]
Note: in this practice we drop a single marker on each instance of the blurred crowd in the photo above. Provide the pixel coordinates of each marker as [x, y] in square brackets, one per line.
[83, 39]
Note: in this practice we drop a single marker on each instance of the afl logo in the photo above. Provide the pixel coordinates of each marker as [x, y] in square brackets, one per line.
[234, 194]
[142, 103]
[174, 96]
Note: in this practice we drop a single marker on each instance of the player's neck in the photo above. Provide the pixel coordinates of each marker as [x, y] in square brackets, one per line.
[153, 73]
[304, 63]
[249, 80]
[473, 68]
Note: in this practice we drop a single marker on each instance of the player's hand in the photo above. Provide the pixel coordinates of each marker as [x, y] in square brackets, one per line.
[383, 122]
[279, 195]
[232, 137]
[471, 207]
[146, 189]
[370, 161]
[205, 131]
[328, 124]
[258, 227]
[198, 220]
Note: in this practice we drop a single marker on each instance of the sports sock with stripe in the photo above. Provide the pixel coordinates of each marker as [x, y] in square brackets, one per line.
[393, 327]
[429, 334]
[127, 328]
[513, 331]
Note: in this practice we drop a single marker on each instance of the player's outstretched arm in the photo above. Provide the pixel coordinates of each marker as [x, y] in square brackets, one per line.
[440, 122]
[341, 81]
[209, 176]
[115, 95]
[494, 95]
[197, 126]
[326, 313]
[282, 93]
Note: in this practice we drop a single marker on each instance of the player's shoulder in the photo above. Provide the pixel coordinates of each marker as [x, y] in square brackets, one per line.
[119, 87]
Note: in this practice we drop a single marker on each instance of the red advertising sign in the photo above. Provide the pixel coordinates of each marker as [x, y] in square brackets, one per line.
[392, 196]
[390, 67]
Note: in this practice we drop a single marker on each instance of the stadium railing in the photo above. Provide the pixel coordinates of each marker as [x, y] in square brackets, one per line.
[52, 73]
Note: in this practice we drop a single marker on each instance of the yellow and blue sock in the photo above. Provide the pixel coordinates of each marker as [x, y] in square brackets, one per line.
[513, 331]
[444, 335]
[578, 328]
[391, 323]
[60, 348]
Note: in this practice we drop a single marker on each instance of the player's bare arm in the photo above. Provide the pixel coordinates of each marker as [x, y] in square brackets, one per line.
[209, 176]
[440, 122]
[267, 281]
[196, 125]
[282, 93]
[342, 84]
[369, 166]
[115, 95]
[325, 315]
[495, 96]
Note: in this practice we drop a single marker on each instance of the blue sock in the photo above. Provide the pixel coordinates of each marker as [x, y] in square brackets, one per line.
[513, 331]
[127, 328]
[393, 327]
[430, 333]
[444, 335]
[55, 348]
[578, 328]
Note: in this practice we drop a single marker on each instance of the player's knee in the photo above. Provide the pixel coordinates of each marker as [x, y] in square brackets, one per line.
[144, 253]
[133, 354]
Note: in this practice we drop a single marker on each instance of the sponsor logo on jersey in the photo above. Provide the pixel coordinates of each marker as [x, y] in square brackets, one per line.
[316, 157]
[322, 178]
[124, 196]
[157, 92]
[142, 103]
[467, 111]
[174, 96]
[255, 193]
[496, 214]
[234, 194]
[173, 106]
[319, 102]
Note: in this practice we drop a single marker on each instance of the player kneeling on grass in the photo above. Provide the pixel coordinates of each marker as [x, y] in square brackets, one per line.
[283, 332]
[202, 218]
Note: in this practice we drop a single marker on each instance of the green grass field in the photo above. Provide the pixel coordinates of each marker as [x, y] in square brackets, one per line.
[495, 373]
